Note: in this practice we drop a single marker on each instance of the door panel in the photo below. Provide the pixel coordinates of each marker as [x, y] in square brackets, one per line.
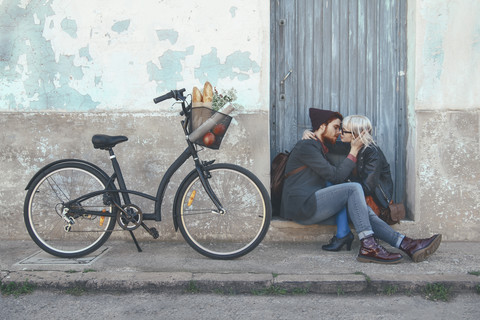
[344, 55]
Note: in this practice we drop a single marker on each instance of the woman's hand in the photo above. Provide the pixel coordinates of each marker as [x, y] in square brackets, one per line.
[356, 145]
[307, 134]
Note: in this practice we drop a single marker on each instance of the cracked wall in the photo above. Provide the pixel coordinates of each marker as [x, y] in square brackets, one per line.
[71, 69]
[444, 106]
[111, 55]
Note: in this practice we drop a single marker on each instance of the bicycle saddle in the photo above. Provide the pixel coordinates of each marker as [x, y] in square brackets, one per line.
[104, 142]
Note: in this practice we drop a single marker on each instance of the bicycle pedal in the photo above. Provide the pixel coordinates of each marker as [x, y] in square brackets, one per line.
[154, 233]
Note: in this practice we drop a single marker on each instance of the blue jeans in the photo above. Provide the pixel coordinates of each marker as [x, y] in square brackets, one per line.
[333, 199]
[341, 220]
[383, 231]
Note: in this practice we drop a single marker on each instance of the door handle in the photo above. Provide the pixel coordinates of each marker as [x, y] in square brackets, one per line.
[286, 76]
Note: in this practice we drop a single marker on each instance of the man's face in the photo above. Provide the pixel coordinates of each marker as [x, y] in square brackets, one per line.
[332, 131]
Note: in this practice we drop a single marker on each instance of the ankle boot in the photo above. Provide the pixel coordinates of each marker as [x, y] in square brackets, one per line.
[420, 249]
[371, 251]
[336, 244]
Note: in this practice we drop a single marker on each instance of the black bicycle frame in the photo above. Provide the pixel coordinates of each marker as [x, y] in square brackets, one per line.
[190, 151]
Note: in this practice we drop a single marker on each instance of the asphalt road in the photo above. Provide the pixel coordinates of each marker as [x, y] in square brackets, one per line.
[141, 305]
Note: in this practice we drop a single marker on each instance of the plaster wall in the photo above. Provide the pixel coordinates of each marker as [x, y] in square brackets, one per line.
[444, 105]
[155, 140]
[443, 142]
[71, 69]
[79, 56]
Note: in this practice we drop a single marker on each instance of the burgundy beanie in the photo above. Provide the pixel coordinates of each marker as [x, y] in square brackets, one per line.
[320, 116]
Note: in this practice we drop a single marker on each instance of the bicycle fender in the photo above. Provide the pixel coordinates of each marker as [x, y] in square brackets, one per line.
[62, 161]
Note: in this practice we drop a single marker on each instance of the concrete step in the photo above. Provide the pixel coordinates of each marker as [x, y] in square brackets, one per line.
[288, 231]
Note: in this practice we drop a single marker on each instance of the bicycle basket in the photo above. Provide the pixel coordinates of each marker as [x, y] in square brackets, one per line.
[220, 122]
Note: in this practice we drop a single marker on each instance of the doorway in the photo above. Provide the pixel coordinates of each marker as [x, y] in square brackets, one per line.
[343, 55]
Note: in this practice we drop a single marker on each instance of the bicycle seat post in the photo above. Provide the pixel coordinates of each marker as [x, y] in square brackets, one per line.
[118, 173]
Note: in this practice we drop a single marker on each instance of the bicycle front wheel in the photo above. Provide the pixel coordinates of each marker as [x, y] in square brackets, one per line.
[231, 234]
[43, 210]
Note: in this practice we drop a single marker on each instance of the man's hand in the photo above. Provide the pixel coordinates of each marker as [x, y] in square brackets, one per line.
[307, 134]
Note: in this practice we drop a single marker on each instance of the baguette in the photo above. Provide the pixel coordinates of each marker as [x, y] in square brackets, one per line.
[196, 95]
[207, 92]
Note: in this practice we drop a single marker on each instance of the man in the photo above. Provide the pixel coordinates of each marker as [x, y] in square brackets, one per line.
[306, 198]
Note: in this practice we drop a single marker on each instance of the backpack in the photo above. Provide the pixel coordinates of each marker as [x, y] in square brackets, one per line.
[277, 178]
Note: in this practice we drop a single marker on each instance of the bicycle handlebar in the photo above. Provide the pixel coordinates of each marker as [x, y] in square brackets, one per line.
[177, 94]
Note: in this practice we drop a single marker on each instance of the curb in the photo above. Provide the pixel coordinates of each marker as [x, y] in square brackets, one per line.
[242, 283]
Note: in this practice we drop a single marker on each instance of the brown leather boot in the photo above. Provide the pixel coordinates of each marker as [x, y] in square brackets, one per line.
[420, 249]
[371, 251]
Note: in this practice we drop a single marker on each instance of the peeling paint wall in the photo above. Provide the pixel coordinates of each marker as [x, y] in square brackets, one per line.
[70, 69]
[444, 106]
[448, 55]
[117, 55]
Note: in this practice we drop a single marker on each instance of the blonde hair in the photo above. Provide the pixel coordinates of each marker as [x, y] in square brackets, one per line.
[359, 124]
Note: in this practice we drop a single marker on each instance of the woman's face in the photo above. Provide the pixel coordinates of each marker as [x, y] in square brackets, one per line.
[347, 135]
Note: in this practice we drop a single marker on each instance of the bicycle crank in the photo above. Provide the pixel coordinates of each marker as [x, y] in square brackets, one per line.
[129, 217]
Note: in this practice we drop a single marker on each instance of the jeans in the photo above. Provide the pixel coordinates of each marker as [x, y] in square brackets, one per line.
[383, 231]
[331, 200]
[341, 220]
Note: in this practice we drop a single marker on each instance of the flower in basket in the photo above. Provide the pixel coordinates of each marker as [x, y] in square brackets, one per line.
[221, 99]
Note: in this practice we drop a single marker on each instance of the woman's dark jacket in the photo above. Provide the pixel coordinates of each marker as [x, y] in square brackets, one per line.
[298, 197]
[373, 173]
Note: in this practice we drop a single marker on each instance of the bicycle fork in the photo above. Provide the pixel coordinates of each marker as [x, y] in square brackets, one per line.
[204, 175]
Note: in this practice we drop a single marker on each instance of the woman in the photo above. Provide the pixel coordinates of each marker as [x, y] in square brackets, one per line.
[373, 170]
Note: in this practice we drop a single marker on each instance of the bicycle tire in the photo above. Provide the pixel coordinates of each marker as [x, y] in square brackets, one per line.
[43, 210]
[240, 229]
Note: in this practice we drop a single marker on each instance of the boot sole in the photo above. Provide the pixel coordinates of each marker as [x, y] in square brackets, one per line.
[381, 261]
[424, 253]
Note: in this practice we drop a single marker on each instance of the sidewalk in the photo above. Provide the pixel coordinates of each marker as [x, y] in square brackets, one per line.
[294, 267]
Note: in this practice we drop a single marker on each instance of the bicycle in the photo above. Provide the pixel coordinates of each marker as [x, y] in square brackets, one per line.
[72, 205]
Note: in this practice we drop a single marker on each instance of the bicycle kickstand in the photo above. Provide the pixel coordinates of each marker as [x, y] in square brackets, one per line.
[135, 241]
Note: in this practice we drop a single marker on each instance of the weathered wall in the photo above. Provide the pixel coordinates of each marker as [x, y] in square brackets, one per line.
[70, 69]
[443, 146]
[155, 140]
[444, 105]
[116, 55]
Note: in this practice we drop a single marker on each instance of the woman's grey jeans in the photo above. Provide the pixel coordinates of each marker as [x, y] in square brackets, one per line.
[332, 199]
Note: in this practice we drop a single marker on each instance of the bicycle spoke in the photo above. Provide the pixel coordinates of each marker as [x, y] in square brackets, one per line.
[50, 181]
[239, 229]
[44, 210]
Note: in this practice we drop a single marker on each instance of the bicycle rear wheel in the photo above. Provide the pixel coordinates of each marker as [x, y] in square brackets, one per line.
[44, 206]
[234, 233]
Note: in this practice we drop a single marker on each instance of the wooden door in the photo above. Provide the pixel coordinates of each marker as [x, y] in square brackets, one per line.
[342, 55]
